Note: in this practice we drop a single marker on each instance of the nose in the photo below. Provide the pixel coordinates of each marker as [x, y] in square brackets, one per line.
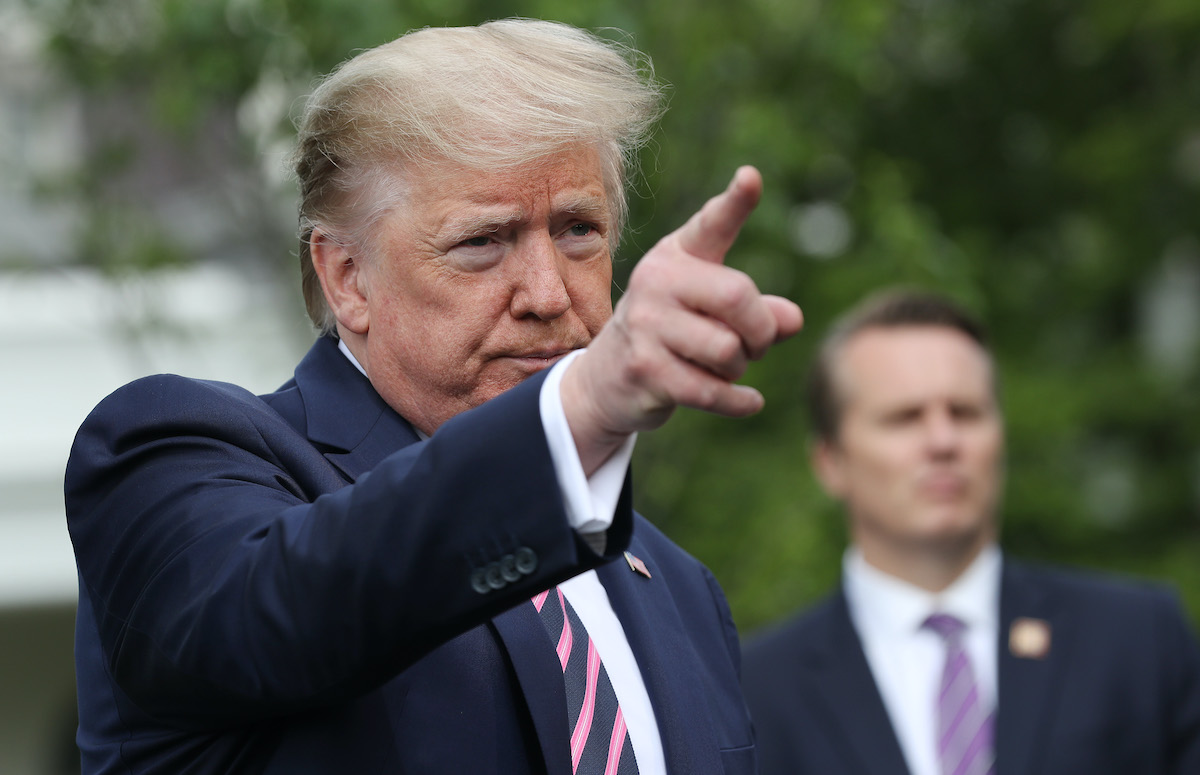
[539, 289]
[942, 433]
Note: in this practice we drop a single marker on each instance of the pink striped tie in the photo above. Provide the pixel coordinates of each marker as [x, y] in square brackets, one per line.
[964, 726]
[599, 737]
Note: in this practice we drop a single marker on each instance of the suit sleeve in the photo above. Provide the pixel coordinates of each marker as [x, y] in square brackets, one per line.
[1181, 685]
[232, 576]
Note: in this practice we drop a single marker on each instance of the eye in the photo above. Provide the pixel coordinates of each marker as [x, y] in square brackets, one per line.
[967, 412]
[902, 417]
[476, 254]
[581, 229]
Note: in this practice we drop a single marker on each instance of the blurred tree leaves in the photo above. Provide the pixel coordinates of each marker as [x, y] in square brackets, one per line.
[1037, 159]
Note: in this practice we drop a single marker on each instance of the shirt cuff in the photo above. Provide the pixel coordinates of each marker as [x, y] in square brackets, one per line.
[590, 503]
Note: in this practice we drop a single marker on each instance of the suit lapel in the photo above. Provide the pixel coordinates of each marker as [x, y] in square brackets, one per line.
[355, 437]
[656, 636]
[344, 415]
[531, 652]
[857, 718]
[1026, 686]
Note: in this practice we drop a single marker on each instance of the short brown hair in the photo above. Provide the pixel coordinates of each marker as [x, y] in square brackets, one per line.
[894, 308]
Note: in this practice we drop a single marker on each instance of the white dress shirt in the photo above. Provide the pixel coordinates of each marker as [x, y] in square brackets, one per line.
[906, 660]
[591, 503]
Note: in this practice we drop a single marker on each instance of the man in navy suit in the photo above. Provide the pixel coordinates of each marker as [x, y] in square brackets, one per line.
[939, 655]
[345, 576]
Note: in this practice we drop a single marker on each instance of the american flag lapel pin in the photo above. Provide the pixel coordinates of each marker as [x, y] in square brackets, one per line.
[636, 565]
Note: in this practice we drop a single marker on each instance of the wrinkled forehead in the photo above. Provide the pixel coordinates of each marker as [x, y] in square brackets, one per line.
[571, 164]
[391, 191]
[881, 366]
[445, 203]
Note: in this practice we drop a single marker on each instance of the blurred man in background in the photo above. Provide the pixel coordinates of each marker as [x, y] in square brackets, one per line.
[939, 655]
[403, 559]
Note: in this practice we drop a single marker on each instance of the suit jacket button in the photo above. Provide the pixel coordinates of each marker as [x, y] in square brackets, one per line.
[479, 582]
[495, 579]
[526, 560]
[508, 568]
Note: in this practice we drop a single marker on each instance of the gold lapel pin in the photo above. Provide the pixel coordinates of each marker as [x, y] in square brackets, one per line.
[1029, 638]
[636, 565]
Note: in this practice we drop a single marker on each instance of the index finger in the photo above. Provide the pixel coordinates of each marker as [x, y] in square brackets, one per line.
[711, 232]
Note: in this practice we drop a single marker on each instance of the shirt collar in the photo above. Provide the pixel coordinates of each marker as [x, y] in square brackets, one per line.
[346, 351]
[892, 607]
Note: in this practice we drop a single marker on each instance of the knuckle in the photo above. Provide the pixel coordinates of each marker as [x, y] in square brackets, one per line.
[708, 394]
[642, 317]
[639, 365]
[726, 348]
[653, 270]
[737, 290]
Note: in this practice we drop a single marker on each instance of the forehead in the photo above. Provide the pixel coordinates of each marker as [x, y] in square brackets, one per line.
[882, 366]
[568, 180]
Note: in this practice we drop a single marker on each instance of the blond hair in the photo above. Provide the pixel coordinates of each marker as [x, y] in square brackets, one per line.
[501, 94]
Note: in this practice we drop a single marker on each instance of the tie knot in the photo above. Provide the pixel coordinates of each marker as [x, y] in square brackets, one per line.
[947, 626]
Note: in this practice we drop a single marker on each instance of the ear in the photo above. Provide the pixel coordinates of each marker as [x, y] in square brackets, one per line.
[826, 460]
[341, 280]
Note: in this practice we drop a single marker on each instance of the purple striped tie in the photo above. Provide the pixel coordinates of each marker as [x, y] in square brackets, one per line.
[964, 725]
[599, 738]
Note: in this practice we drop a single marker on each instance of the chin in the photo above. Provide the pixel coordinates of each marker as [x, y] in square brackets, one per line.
[956, 537]
[495, 387]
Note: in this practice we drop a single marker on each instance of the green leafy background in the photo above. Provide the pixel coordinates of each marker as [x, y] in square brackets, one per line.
[1037, 159]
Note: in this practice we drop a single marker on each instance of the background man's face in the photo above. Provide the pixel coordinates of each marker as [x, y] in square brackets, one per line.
[481, 279]
[917, 462]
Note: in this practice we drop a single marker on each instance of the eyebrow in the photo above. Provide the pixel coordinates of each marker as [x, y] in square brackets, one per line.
[584, 206]
[462, 227]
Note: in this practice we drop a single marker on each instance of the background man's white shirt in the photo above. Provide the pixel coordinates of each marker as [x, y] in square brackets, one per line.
[907, 660]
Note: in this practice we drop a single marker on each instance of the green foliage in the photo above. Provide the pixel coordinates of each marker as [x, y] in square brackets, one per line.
[1038, 159]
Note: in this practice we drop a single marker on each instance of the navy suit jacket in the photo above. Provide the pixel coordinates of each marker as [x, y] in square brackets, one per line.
[295, 584]
[1118, 693]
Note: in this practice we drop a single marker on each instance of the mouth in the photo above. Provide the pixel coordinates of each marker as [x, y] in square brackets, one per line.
[944, 487]
[537, 360]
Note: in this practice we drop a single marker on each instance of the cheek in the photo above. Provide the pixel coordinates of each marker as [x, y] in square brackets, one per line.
[883, 456]
[590, 287]
[443, 309]
[862, 474]
[989, 452]
[888, 475]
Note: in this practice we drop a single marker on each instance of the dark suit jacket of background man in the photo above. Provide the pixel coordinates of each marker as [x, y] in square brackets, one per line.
[243, 610]
[1117, 694]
